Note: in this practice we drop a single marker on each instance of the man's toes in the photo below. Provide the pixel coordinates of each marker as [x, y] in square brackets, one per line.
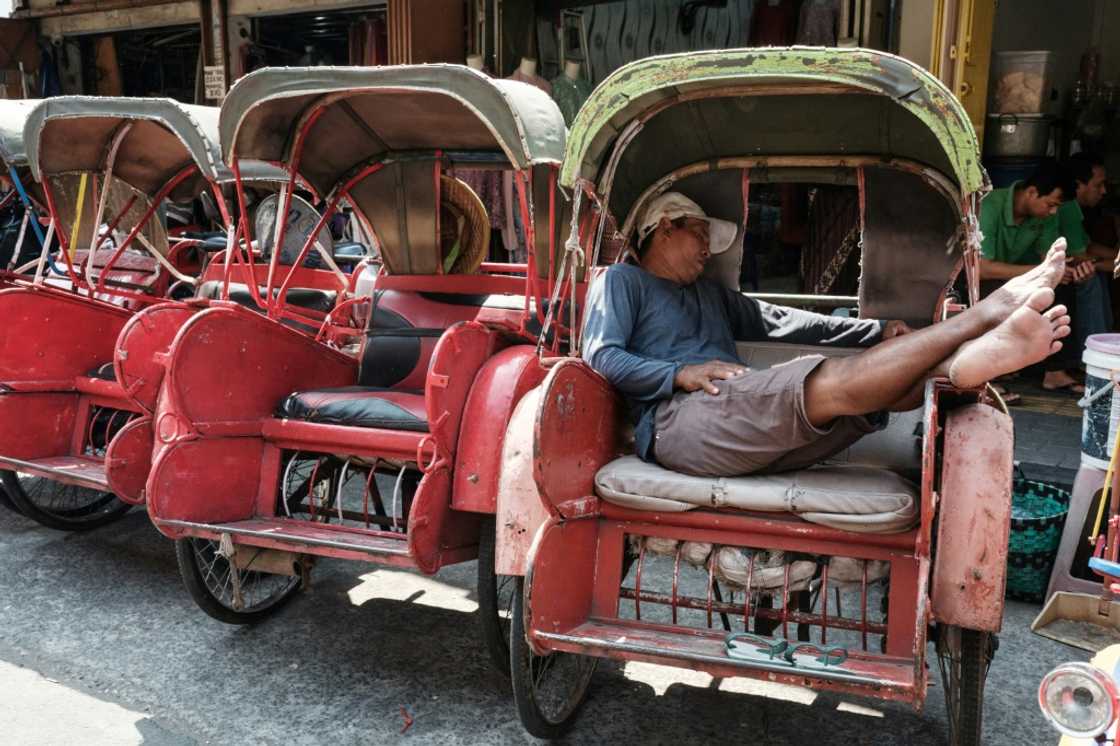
[1059, 321]
[1055, 312]
[1058, 245]
[1055, 347]
[1061, 331]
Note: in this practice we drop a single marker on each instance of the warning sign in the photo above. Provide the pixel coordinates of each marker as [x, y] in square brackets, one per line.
[214, 80]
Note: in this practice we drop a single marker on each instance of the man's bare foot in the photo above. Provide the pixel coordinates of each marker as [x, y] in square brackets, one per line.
[1025, 338]
[1034, 289]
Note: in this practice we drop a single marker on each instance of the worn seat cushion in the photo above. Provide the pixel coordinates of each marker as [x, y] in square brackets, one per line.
[103, 372]
[851, 497]
[358, 406]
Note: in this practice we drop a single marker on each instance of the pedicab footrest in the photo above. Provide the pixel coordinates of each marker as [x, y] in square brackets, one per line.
[83, 472]
[891, 678]
[267, 532]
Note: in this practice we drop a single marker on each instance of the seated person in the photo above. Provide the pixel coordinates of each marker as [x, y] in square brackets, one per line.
[1086, 181]
[1019, 223]
[666, 339]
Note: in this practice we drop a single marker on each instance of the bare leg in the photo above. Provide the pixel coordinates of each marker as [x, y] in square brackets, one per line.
[890, 374]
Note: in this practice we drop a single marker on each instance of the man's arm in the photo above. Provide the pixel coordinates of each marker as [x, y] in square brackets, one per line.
[611, 311]
[993, 270]
[753, 320]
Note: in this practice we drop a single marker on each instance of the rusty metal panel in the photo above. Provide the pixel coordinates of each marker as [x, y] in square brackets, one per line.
[970, 554]
[520, 511]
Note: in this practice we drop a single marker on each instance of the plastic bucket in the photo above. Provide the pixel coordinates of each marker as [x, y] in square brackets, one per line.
[1038, 514]
[1101, 415]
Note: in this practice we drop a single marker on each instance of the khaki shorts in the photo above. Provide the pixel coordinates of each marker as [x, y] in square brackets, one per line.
[757, 423]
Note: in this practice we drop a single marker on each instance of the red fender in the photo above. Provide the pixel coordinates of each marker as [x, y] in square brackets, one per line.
[560, 434]
[209, 480]
[128, 460]
[140, 356]
[502, 382]
[576, 433]
[974, 517]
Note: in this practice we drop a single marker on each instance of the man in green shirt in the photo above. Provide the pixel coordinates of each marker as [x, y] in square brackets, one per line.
[1093, 308]
[1019, 223]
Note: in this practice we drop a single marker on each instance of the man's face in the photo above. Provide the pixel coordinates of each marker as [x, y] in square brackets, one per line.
[1091, 194]
[1043, 205]
[689, 239]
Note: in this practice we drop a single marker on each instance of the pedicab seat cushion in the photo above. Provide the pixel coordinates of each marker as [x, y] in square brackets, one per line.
[103, 372]
[358, 406]
[852, 497]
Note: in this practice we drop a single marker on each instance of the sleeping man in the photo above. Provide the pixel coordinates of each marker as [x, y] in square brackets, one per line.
[665, 338]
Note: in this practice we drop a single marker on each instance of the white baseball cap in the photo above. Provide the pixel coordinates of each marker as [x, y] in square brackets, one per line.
[675, 205]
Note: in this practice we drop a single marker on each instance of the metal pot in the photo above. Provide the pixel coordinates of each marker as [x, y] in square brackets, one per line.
[1016, 135]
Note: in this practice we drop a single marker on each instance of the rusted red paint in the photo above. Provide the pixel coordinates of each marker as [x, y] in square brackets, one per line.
[577, 432]
[969, 570]
[520, 509]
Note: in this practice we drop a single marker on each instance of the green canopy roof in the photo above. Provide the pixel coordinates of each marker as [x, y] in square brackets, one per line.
[763, 102]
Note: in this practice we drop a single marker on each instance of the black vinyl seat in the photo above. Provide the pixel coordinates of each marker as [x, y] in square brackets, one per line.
[358, 406]
[310, 298]
[103, 372]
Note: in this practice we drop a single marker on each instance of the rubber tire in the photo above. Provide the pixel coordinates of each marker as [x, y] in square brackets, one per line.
[495, 631]
[532, 718]
[6, 501]
[976, 648]
[19, 498]
[196, 587]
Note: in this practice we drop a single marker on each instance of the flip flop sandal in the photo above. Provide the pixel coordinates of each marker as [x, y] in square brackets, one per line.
[1072, 387]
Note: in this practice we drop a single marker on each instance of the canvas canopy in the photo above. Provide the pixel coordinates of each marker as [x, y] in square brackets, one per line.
[74, 134]
[363, 113]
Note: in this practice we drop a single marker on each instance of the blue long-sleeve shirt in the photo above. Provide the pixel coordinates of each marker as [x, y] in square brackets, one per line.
[640, 329]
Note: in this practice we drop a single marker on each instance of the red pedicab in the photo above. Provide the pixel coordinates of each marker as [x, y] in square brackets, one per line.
[69, 425]
[831, 578]
[274, 448]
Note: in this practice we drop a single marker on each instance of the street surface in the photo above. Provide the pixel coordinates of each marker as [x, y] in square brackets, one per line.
[100, 644]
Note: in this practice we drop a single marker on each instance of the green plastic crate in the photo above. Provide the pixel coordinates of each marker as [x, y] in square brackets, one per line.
[1038, 514]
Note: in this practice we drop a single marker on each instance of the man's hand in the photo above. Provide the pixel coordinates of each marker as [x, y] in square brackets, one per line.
[895, 328]
[1078, 270]
[696, 377]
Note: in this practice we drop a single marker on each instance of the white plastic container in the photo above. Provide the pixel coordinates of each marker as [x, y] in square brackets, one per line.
[1101, 417]
[1021, 82]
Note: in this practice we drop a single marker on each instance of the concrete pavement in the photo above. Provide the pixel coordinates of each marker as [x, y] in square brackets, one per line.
[105, 616]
